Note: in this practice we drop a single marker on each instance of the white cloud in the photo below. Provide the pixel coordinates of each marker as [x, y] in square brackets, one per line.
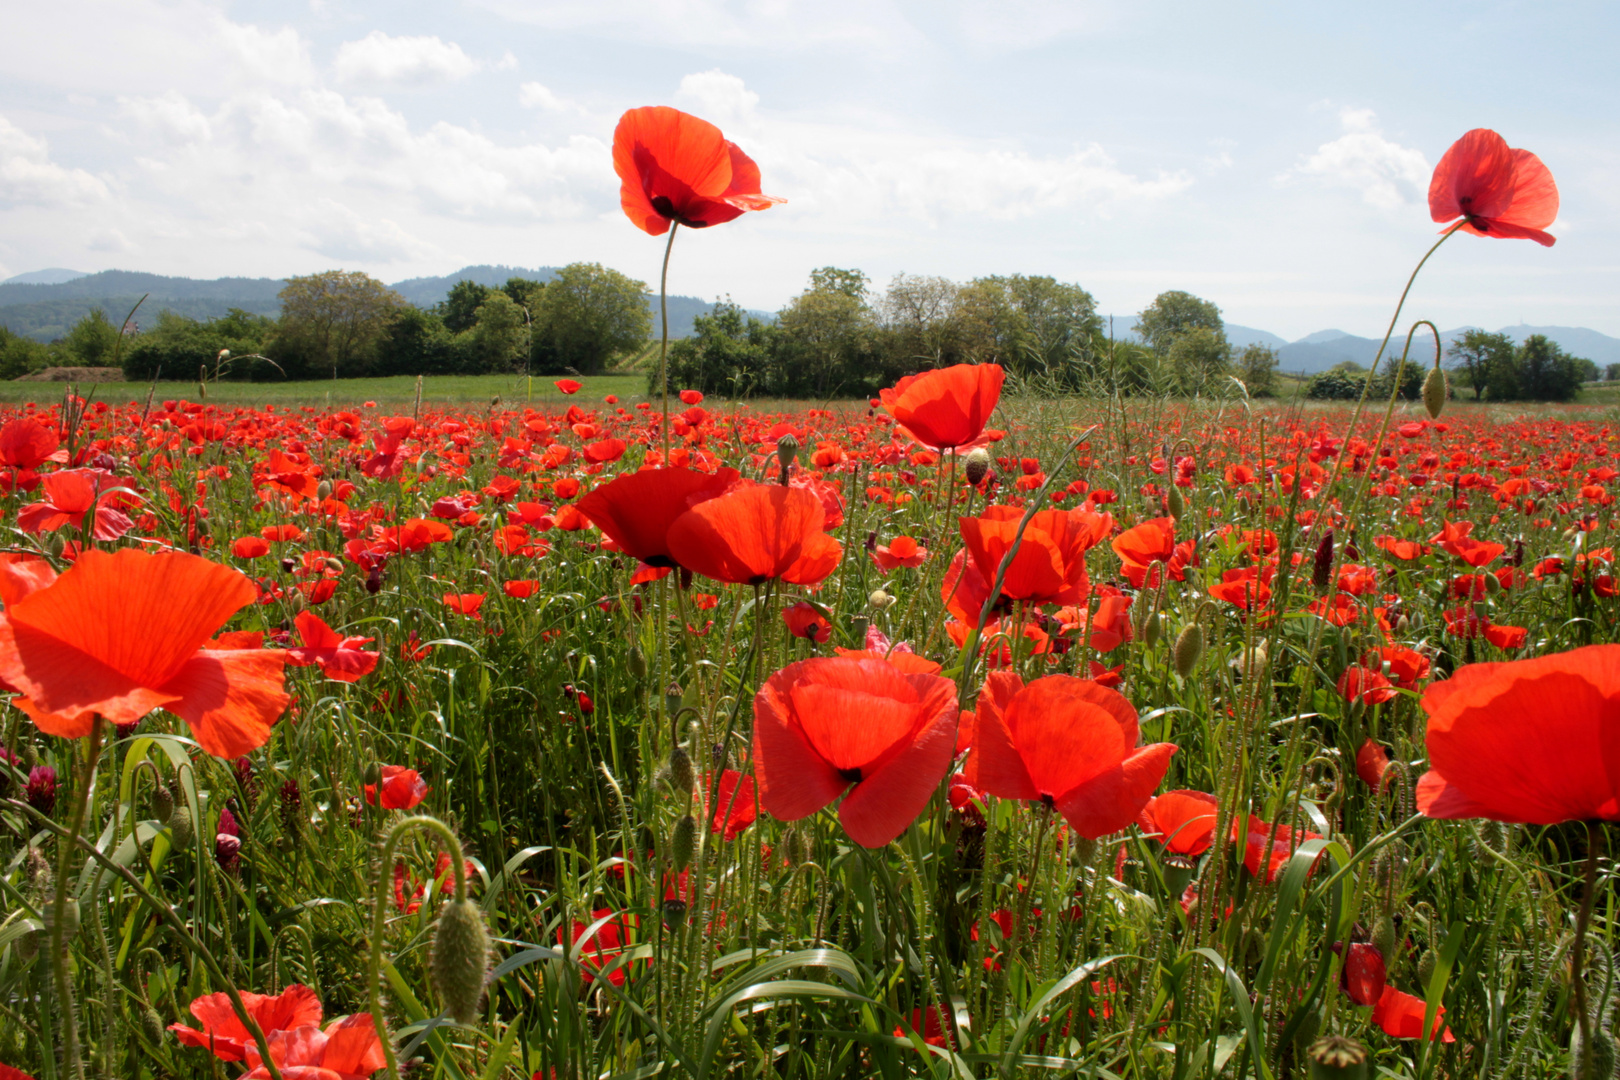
[339, 232]
[1387, 174]
[533, 95]
[29, 176]
[171, 117]
[403, 61]
[717, 96]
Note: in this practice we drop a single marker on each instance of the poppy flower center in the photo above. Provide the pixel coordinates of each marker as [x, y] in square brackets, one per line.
[852, 776]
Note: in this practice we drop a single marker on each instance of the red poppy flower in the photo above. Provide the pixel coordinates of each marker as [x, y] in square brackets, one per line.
[691, 397]
[8, 1073]
[402, 789]
[1111, 624]
[123, 634]
[674, 167]
[1050, 566]
[1365, 685]
[1140, 547]
[228, 1038]
[1372, 762]
[946, 408]
[1487, 761]
[337, 656]
[348, 1049]
[72, 494]
[1069, 743]
[520, 589]
[465, 603]
[755, 533]
[902, 660]
[635, 510]
[605, 450]
[807, 621]
[568, 386]
[808, 750]
[250, 547]
[1183, 821]
[901, 551]
[1401, 1016]
[1406, 667]
[25, 443]
[1266, 848]
[736, 804]
[1496, 190]
[603, 948]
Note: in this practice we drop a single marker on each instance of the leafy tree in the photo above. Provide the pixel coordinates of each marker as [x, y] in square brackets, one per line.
[730, 352]
[497, 340]
[1476, 355]
[418, 343]
[589, 316]
[1257, 367]
[20, 355]
[1200, 358]
[1586, 369]
[1545, 371]
[1342, 382]
[851, 283]
[921, 317]
[1034, 325]
[334, 322]
[459, 309]
[1611, 373]
[1173, 314]
[178, 346]
[92, 341]
[525, 292]
[828, 336]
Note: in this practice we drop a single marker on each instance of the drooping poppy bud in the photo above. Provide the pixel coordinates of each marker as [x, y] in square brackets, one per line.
[1435, 391]
[683, 842]
[1175, 504]
[459, 958]
[1594, 1060]
[1189, 649]
[680, 770]
[975, 465]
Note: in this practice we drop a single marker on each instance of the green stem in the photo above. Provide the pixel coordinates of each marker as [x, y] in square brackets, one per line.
[1594, 840]
[663, 340]
[59, 901]
[458, 864]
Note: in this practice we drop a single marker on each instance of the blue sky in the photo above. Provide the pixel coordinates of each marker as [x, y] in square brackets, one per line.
[1272, 157]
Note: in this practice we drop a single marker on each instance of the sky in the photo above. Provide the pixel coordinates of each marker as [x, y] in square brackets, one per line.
[1271, 157]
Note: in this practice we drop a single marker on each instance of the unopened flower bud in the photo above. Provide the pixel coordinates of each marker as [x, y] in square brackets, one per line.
[636, 660]
[1425, 970]
[1384, 939]
[323, 490]
[1153, 629]
[683, 842]
[459, 958]
[1174, 503]
[1594, 1061]
[1435, 391]
[681, 777]
[372, 776]
[70, 917]
[1493, 584]
[795, 848]
[1334, 1056]
[180, 828]
[880, 600]
[1189, 649]
[152, 1026]
[975, 465]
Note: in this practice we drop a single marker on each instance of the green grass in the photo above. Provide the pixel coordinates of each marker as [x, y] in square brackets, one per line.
[513, 390]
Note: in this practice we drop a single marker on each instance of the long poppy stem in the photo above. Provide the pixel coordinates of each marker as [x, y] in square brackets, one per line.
[1594, 841]
[59, 902]
[663, 340]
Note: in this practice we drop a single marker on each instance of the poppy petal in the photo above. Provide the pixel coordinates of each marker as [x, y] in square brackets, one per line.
[1111, 800]
[794, 780]
[885, 803]
[995, 766]
[230, 698]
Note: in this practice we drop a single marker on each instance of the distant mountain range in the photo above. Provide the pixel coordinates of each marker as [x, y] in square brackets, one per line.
[44, 304]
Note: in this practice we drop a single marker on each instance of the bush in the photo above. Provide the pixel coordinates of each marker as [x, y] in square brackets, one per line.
[178, 347]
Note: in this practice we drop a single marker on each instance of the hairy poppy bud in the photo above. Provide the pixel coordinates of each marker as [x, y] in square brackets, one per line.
[795, 849]
[1425, 969]
[680, 770]
[1384, 939]
[1493, 584]
[372, 776]
[1336, 1056]
[636, 660]
[683, 842]
[1189, 649]
[787, 450]
[180, 829]
[152, 1026]
[1250, 664]
[323, 490]
[459, 958]
[1153, 629]
[880, 599]
[1322, 566]
[162, 802]
[1435, 391]
[975, 465]
[1594, 1061]
[1175, 504]
[70, 917]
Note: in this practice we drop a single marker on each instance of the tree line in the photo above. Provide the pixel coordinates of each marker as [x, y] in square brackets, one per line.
[1493, 366]
[841, 338]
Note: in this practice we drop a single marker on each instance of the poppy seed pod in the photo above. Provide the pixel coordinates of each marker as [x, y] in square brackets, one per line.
[460, 958]
[1336, 1056]
[683, 842]
[323, 490]
[1435, 392]
[787, 451]
[975, 465]
[1189, 649]
[1594, 1060]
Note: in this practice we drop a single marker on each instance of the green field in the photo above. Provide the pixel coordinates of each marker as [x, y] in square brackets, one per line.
[513, 391]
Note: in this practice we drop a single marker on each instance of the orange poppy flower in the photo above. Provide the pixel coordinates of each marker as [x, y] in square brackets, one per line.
[1266, 848]
[808, 750]
[806, 621]
[122, 634]
[25, 443]
[674, 167]
[1401, 1015]
[1050, 566]
[402, 789]
[227, 1037]
[1070, 744]
[901, 551]
[347, 1048]
[1487, 761]
[946, 408]
[339, 657]
[1183, 821]
[635, 510]
[1140, 547]
[1496, 190]
[755, 533]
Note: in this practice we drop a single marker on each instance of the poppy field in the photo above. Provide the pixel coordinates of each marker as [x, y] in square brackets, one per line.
[959, 733]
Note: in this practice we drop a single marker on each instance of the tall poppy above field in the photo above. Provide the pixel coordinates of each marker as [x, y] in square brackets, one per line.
[1069, 743]
[636, 510]
[1496, 190]
[1531, 741]
[122, 634]
[825, 726]
[755, 533]
[674, 167]
[946, 408]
